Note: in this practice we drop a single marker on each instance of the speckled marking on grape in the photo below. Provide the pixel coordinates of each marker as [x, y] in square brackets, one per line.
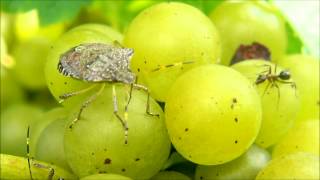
[123, 169]
[107, 161]
[201, 177]
[137, 159]
[236, 119]
[234, 101]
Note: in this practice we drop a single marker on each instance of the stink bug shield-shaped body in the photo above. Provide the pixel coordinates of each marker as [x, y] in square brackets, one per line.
[97, 62]
[100, 63]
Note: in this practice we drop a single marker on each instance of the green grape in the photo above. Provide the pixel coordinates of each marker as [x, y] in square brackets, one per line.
[105, 177]
[305, 72]
[187, 168]
[246, 166]
[50, 142]
[294, 166]
[212, 107]
[11, 92]
[245, 22]
[27, 25]
[170, 175]
[14, 124]
[45, 119]
[56, 82]
[279, 104]
[170, 33]
[30, 59]
[304, 136]
[14, 167]
[96, 143]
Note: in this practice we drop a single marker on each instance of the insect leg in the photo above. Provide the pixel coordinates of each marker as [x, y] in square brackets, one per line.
[130, 95]
[293, 85]
[115, 112]
[28, 151]
[138, 86]
[71, 94]
[276, 85]
[51, 170]
[161, 67]
[265, 89]
[86, 103]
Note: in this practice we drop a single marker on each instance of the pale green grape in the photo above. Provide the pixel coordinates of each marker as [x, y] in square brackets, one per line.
[105, 177]
[30, 57]
[294, 166]
[14, 167]
[245, 22]
[169, 33]
[45, 119]
[14, 124]
[27, 25]
[305, 72]
[89, 33]
[304, 136]
[96, 143]
[213, 114]
[11, 92]
[170, 175]
[246, 166]
[50, 142]
[279, 105]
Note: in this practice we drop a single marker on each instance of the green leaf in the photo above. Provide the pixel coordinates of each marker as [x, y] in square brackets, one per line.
[50, 11]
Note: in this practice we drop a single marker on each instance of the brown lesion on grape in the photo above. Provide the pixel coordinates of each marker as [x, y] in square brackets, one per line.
[107, 161]
[186, 129]
[236, 141]
[253, 51]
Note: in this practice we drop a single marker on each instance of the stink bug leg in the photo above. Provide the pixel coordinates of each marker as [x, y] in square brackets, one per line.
[86, 104]
[37, 165]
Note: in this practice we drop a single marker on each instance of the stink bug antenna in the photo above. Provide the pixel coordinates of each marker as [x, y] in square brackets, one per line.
[28, 152]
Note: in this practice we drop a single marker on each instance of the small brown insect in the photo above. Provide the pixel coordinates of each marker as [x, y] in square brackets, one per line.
[273, 78]
[98, 63]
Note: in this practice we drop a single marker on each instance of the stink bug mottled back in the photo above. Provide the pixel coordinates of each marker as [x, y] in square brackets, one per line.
[97, 62]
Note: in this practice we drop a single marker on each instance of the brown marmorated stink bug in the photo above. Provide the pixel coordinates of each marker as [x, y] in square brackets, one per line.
[101, 63]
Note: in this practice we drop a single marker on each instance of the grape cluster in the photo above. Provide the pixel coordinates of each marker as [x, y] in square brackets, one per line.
[193, 111]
